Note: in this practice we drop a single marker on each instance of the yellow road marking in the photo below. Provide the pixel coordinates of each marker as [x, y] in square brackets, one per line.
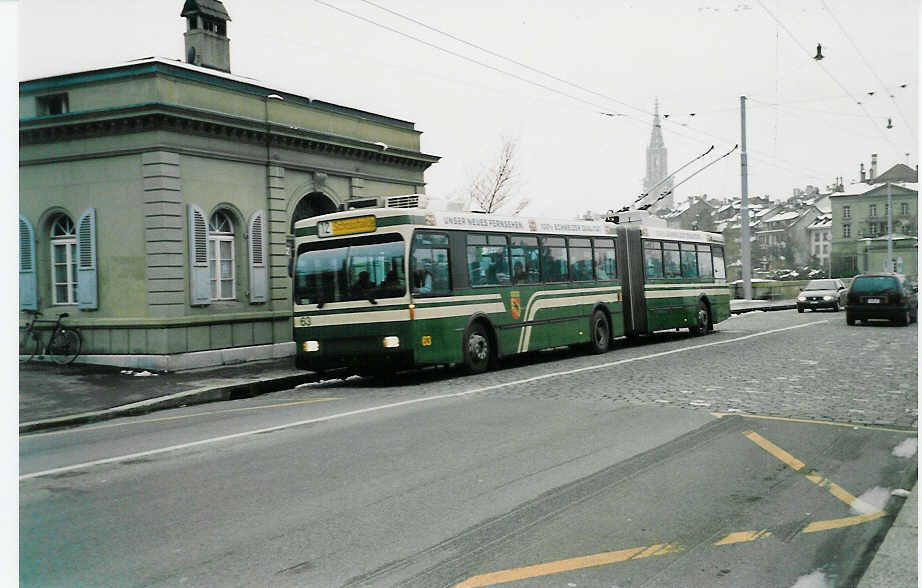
[721, 415]
[182, 416]
[770, 447]
[610, 557]
[839, 523]
[567, 565]
[743, 536]
[798, 465]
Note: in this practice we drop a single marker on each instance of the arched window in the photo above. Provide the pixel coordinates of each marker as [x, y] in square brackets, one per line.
[221, 256]
[63, 239]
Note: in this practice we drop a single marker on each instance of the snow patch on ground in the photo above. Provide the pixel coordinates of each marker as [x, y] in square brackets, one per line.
[907, 448]
[815, 580]
[873, 500]
[142, 374]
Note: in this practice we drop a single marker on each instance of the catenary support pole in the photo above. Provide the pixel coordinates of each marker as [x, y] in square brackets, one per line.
[745, 252]
[889, 265]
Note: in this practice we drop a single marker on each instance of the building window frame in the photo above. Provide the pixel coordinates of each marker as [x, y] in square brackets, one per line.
[846, 231]
[63, 247]
[872, 210]
[846, 211]
[222, 271]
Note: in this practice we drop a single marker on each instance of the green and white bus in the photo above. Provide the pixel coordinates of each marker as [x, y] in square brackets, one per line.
[394, 287]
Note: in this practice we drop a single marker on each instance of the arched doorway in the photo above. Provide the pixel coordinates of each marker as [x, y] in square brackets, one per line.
[310, 205]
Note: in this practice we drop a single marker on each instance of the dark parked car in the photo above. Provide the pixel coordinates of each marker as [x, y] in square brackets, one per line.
[821, 294]
[883, 296]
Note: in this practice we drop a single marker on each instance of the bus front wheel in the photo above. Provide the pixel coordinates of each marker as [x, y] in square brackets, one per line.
[477, 350]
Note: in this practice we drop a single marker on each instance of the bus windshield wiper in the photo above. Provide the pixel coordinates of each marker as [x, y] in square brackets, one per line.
[372, 299]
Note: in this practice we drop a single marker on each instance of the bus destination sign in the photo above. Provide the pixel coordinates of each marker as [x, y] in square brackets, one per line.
[346, 226]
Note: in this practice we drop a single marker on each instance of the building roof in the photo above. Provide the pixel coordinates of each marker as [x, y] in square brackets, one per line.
[823, 221]
[898, 173]
[213, 8]
[203, 74]
[784, 216]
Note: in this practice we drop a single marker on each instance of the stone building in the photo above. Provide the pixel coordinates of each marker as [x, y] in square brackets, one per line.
[157, 199]
[859, 222]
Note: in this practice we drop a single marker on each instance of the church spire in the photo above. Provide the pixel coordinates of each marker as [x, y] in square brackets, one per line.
[657, 167]
[656, 135]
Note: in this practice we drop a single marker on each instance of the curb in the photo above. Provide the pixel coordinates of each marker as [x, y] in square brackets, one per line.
[877, 545]
[763, 308]
[185, 398]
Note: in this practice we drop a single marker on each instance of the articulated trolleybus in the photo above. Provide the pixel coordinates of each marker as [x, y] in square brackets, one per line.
[405, 285]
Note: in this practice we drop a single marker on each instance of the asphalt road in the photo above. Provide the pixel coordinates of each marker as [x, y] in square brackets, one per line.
[754, 456]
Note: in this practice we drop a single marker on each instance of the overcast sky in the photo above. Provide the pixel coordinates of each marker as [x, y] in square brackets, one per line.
[805, 125]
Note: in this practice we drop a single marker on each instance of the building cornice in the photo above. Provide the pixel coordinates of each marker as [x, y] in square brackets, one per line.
[155, 116]
[185, 71]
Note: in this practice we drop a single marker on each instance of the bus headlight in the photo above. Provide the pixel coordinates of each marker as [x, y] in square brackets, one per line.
[311, 346]
[392, 341]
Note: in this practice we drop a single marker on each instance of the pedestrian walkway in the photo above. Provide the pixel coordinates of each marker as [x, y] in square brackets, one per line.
[739, 305]
[897, 560]
[52, 396]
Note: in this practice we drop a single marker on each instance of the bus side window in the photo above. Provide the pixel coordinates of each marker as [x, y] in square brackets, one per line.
[604, 256]
[720, 271]
[429, 260]
[653, 259]
[580, 260]
[525, 267]
[705, 268]
[689, 261]
[488, 260]
[554, 259]
[671, 265]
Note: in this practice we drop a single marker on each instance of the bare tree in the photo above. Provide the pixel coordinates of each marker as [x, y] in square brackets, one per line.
[494, 189]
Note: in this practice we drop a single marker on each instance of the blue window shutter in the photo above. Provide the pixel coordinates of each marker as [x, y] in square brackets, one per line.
[87, 282]
[259, 265]
[28, 286]
[199, 278]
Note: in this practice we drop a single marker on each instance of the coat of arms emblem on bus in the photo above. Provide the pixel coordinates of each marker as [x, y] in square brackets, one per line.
[515, 304]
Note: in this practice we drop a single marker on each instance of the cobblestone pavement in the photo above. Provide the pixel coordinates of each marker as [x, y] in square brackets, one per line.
[826, 370]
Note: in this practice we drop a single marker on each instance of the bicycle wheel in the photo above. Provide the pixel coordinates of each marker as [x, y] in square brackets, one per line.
[64, 346]
[28, 345]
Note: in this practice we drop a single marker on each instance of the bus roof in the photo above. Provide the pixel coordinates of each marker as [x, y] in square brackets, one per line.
[489, 222]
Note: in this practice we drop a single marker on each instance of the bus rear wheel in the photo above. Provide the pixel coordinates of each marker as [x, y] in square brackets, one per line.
[599, 332]
[702, 320]
[477, 349]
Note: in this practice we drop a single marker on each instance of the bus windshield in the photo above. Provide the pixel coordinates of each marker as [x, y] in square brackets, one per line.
[361, 268]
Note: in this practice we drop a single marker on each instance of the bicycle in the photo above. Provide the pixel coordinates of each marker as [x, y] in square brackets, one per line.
[63, 346]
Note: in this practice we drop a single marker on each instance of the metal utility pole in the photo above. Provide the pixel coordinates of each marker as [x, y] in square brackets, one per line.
[745, 252]
[889, 265]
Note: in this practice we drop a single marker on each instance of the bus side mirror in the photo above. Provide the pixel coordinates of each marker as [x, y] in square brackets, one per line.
[290, 248]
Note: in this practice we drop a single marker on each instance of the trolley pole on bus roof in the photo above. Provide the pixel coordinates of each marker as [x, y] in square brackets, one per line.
[745, 252]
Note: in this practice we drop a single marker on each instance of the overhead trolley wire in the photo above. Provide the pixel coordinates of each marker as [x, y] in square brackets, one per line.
[829, 75]
[600, 108]
[909, 129]
[461, 56]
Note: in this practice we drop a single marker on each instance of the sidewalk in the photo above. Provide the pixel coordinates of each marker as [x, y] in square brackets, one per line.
[896, 561]
[52, 396]
[738, 306]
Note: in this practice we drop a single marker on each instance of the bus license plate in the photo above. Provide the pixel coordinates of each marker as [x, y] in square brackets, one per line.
[873, 300]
